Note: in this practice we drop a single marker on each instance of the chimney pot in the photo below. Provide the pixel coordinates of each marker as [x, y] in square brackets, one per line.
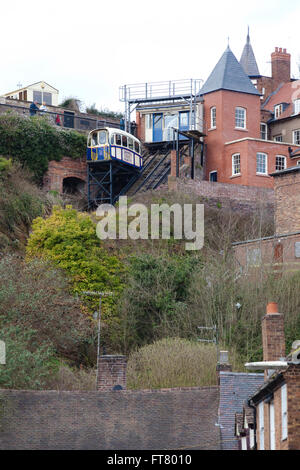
[284, 50]
[280, 49]
[276, 49]
[272, 307]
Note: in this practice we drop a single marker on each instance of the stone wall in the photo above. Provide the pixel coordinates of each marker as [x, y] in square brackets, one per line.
[234, 196]
[148, 419]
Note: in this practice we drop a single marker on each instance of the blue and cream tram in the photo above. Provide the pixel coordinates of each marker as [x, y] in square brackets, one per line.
[114, 144]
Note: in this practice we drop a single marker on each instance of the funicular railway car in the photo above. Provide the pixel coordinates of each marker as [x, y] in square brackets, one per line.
[114, 144]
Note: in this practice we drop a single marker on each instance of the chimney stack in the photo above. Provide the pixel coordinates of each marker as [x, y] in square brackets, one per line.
[223, 364]
[281, 66]
[273, 338]
[112, 373]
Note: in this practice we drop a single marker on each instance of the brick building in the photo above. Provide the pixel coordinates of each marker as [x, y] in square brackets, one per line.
[274, 408]
[236, 121]
[280, 252]
[250, 122]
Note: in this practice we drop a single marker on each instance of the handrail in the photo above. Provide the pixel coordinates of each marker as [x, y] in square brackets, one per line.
[151, 173]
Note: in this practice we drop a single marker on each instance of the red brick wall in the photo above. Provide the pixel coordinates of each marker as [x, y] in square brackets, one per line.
[66, 168]
[281, 66]
[111, 372]
[248, 149]
[288, 263]
[292, 378]
[225, 103]
[287, 208]
[273, 338]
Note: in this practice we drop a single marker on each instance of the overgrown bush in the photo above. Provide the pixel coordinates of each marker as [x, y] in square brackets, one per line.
[172, 362]
[28, 365]
[151, 306]
[34, 142]
[68, 239]
[20, 202]
[34, 297]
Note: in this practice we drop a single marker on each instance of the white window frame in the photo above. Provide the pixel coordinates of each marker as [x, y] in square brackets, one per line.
[236, 165]
[261, 424]
[148, 121]
[284, 424]
[278, 138]
[239, 118]
[284, 159]
[264, 125]
[213, 117]
[297, 106]
[295, 139]
[266, 163]
[278, 110]
[272, 425]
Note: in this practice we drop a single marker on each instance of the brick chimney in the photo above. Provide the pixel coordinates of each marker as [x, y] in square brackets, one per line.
[112, 373]
[281, 66]
[223, 364]
[273, 338]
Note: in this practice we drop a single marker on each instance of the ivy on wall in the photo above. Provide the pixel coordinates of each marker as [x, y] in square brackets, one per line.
[34, 142]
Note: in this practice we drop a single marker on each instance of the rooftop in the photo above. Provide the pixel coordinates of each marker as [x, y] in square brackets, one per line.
[228, 74]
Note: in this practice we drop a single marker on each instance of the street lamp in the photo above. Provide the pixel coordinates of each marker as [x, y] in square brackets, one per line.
[96, 315]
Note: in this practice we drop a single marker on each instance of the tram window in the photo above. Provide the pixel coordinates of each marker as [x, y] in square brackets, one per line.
[118, 139]
[136, 147]
[130, 143]
[112, 139]
[124, 141]
[102, 137]
[94, 138]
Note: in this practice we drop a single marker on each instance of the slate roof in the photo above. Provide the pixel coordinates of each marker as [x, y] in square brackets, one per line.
[228, 74]
[286, 93]
[248, 61]
[235, 389]
[179, 418]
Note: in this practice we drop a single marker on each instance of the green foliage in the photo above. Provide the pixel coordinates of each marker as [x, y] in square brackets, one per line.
[68, 239]
[20, 201]
[27, 364]
[5, 165]
[34, 297]
[34, 142]
[157, 290]
[104, 112]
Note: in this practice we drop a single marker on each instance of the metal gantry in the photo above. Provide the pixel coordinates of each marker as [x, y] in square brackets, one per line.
[172, 90]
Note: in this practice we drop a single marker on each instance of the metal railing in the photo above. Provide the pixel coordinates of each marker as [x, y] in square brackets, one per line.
[160, 90]
[65, 119]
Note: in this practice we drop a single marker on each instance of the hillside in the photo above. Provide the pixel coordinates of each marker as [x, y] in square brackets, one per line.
[162, 293]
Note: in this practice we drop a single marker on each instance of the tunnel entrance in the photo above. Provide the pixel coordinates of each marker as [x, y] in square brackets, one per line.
[73, 185]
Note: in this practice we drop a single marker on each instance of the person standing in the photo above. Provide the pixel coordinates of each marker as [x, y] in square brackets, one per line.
[33, 108]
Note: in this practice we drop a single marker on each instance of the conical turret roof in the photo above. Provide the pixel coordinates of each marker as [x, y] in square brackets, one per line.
[248, 61]
[228, 74]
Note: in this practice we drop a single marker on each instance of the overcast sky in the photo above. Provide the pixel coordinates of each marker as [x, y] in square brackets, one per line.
[88, 49]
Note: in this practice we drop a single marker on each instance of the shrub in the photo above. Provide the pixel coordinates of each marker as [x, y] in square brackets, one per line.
[172, 362]
[152, 303]
[34, 142]
[28, 366]
[68, 239]
[34, 297]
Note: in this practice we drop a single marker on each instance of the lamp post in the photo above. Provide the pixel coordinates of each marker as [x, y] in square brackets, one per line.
[97, 315]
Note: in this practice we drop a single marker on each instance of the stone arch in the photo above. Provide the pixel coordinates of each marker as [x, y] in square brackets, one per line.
[73, 185]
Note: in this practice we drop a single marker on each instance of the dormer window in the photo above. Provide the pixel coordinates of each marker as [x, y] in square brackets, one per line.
[278, 110]
[297, 106]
